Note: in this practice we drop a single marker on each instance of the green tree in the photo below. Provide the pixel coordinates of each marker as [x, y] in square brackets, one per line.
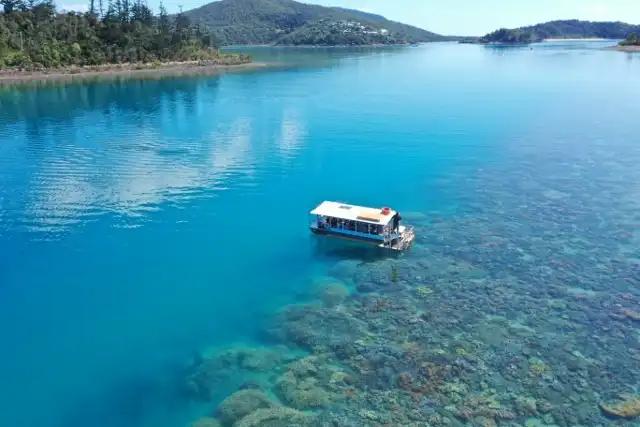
[631, 40]
[34, 35]
[10, 6]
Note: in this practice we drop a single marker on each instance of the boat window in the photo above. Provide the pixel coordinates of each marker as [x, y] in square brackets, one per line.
[346, 207]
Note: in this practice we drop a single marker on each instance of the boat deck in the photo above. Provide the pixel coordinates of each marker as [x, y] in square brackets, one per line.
[408, 235]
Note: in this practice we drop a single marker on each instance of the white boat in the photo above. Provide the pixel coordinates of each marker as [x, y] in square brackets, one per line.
[380, 227]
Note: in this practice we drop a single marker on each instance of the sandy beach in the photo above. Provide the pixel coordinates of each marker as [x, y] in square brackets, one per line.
[11, 76]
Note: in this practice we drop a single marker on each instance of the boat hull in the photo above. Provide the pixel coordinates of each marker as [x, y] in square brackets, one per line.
[401, 244]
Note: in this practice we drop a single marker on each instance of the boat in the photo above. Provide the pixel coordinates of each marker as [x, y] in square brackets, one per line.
[380, 227]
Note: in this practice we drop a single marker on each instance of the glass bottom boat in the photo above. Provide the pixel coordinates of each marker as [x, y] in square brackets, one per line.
[380, 227]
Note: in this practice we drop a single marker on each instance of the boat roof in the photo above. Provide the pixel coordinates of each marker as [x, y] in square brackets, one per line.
[354, 213]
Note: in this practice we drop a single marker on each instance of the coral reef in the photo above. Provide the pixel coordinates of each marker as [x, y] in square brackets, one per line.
[301, 394]
[258, 359]
[633, 315]
[627, 407]
[520, 308]
[240, 404]
[311, 383]
[207, 422]
[216, 367]
[333, 294]
[275, 417]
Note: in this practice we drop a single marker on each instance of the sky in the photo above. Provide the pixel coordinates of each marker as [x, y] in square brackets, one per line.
[461, 17]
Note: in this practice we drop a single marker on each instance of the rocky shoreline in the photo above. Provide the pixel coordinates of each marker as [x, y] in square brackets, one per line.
[316, 46]
[124, 70]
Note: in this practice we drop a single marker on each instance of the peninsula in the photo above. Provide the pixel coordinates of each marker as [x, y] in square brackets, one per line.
[558, 30]
[288, 22]
[38, 41]
[630, 44]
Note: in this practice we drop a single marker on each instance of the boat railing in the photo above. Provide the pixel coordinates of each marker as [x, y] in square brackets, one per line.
[343, 229]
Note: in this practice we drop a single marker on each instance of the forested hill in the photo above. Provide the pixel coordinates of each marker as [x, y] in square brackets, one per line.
[238, 22]
[34, 35]
[561, 30]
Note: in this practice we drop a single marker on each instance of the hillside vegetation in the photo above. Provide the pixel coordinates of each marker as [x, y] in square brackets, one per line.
[238, 22]
[561, 30]
[34, 35]
[632, 40]
[332, 33]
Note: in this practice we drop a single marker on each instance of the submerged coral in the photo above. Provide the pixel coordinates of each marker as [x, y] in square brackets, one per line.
[517, 309]
[627, 407]
[301, 394]
[633, 315]
[333, 294]
[206, 422]
[275, 417]
[311, 383]
[240, 404]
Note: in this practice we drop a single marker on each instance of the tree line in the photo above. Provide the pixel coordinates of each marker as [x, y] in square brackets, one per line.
[504, 35]
[632, 40]
[561, 29]
[33, 34]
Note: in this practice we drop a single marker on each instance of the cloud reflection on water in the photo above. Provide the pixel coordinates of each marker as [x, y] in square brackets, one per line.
[132, 180]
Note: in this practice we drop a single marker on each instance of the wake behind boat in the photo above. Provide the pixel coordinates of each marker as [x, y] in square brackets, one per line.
[380, 227]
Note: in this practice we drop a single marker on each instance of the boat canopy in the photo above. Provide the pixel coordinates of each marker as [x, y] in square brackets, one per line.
[353, 213]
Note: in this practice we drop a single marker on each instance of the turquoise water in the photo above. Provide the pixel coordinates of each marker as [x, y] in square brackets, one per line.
[142, 221]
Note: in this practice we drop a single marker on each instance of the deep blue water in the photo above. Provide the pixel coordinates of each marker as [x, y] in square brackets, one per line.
[143, 220]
